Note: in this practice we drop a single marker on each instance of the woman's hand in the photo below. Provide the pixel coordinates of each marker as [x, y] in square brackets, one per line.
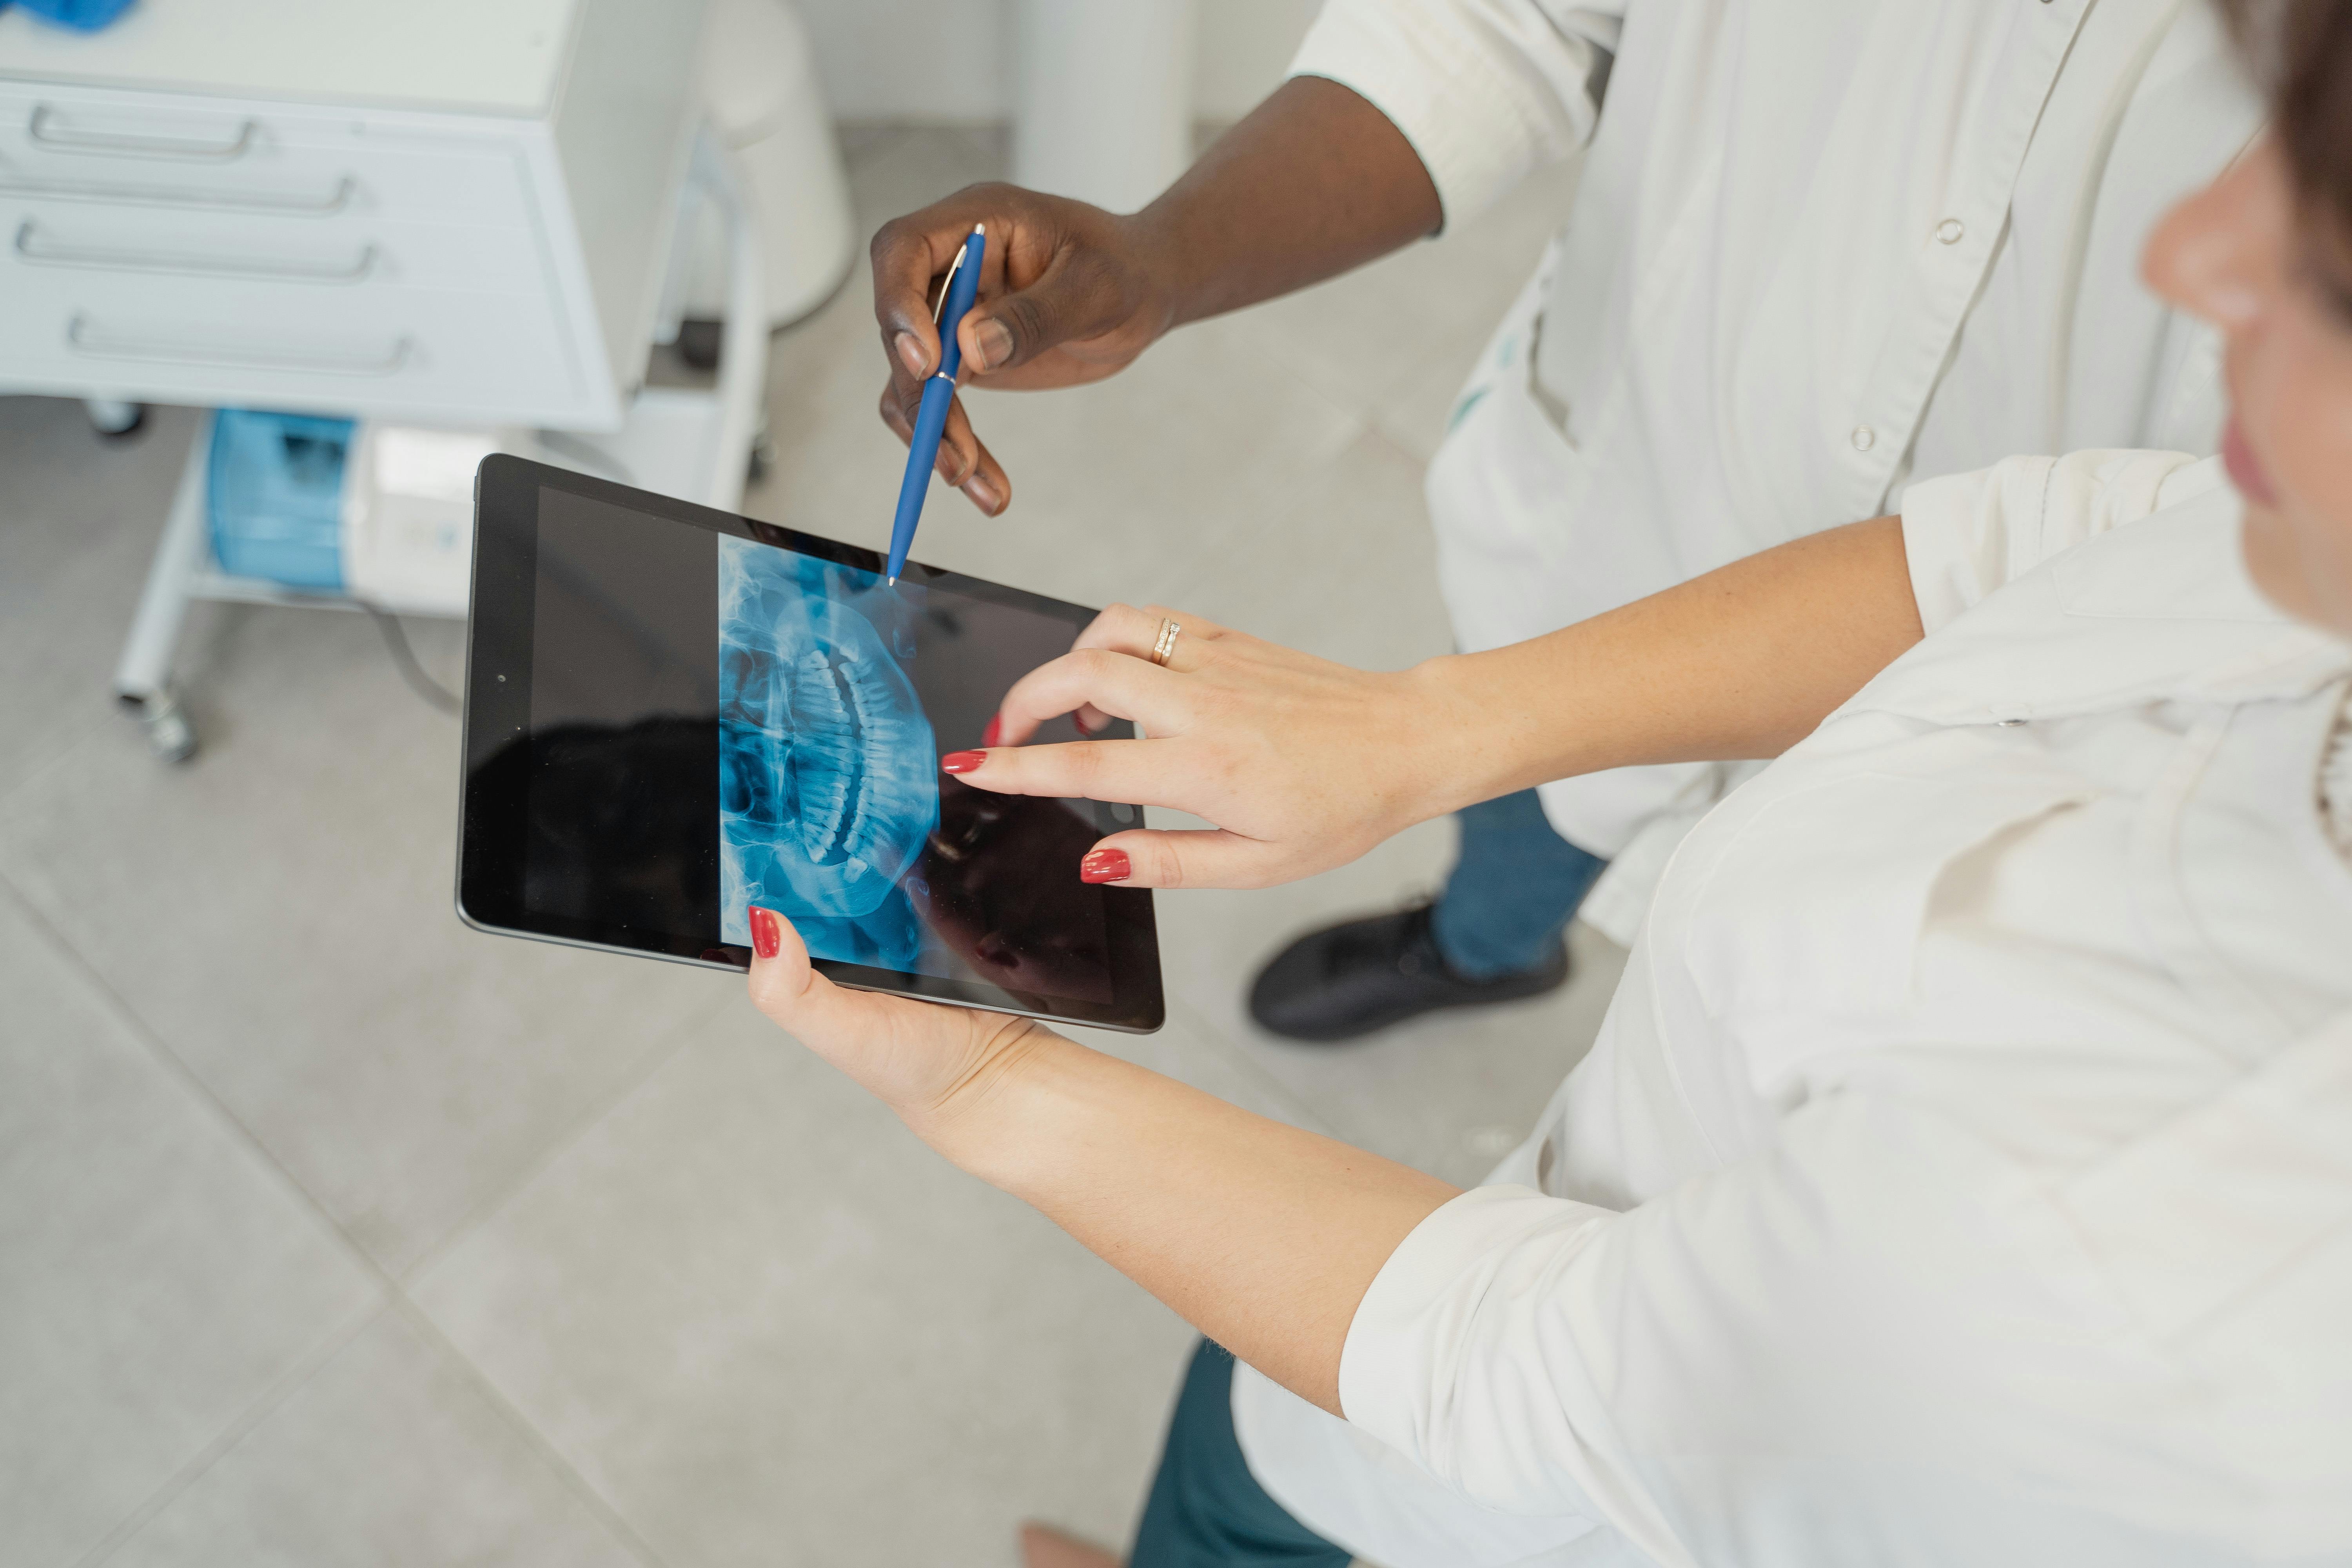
[932, 1064]
[1067, 296]
[1302, 764]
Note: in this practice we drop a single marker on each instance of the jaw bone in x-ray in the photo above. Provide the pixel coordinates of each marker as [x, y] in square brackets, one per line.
[828, 771]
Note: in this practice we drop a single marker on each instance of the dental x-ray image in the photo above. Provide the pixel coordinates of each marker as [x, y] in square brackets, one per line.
[828, 771]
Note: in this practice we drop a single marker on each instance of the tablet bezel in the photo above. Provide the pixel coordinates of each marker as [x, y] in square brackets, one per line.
[492, 820]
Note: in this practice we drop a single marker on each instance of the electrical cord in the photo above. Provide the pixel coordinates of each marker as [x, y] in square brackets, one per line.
[439, 697]
[403, 658]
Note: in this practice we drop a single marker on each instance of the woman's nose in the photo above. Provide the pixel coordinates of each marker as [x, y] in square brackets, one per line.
[2220, 254]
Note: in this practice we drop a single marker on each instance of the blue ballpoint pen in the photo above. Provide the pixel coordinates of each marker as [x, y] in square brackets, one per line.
[923, 452]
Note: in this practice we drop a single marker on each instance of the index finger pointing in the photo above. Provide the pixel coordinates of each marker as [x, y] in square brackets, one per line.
[1113, 683]
[1137, 772]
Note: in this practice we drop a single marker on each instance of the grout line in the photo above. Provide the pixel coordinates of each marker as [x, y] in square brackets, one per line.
[610, 1516]
[389, 1290]
[274, 1393]
[665, 1047]
[129, 1019]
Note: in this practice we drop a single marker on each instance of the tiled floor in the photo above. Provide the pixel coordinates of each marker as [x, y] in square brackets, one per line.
[332, 1233]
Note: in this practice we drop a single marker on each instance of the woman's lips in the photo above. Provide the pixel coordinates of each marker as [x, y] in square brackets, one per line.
[2244, 471]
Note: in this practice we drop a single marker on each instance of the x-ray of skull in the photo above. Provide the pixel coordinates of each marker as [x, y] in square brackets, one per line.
[828, 774]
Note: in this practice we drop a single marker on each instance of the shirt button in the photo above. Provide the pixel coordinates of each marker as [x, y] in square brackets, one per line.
[1863, 437]
[1949, 231]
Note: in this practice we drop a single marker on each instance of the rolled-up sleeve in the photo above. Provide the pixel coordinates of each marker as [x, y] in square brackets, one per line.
[1486, 90]
[1967, 534]
[1670, 1369]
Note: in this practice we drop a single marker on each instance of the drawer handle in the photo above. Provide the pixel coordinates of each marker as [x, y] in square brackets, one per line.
[48, 129]
[83, 337]
[333, 202]
[40, 253]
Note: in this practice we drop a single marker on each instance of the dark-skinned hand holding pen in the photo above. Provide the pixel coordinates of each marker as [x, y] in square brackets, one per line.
[1314, 181]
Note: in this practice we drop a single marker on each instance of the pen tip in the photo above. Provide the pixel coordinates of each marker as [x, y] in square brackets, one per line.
[980, 228]
[889, 582]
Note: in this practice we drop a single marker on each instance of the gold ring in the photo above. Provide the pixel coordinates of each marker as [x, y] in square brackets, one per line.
[1166, 645]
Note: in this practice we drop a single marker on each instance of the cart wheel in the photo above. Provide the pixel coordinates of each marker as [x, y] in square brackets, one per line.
[698, 340]
[169, 736]
[114, 419]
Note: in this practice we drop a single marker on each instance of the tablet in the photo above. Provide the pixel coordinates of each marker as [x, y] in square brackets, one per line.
[674, 713]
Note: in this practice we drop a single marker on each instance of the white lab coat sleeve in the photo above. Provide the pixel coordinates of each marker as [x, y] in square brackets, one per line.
[1647, 1368]
[1486, 90]
[1433, 1361]
[1967, 534]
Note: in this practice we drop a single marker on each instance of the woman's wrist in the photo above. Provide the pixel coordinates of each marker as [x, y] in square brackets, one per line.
[975, 1124]
[1465, 745]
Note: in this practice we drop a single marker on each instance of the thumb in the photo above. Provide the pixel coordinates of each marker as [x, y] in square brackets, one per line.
[787, 986]
[1184, 857]
[839, 1025]
[1069, 301]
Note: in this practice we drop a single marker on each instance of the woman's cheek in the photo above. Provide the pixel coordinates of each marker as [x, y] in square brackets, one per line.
[2291, 385]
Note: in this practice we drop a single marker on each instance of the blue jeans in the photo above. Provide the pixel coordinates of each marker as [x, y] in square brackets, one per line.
[1206, 1510]
[1515, 886]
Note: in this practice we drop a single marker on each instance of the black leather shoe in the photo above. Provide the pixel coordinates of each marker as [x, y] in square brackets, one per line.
[1348, 980]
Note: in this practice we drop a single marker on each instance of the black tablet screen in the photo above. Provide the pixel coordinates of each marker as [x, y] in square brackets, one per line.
[715, 719]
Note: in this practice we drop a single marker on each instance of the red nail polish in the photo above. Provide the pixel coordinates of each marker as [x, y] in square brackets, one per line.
[961, 761]
[1105, 865]
[767, 933]
[994, 734]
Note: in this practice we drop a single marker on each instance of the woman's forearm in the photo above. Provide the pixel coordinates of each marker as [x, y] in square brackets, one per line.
[1263, 1236]
[1742, 662]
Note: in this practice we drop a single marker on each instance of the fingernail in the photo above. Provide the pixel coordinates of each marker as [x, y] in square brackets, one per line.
[1105, 865]
[992, 344]
[994, 732]
[767, 933]
[961, 761]
[910, 355]
[951, 465]
[982, 494]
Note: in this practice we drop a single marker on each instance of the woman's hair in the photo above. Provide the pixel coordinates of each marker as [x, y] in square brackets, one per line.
[2302, 51]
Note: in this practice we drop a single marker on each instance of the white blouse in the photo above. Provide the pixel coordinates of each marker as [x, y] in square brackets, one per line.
[1818, 249]
[1963, 1173]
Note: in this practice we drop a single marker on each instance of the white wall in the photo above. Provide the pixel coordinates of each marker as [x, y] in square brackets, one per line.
[949, 60]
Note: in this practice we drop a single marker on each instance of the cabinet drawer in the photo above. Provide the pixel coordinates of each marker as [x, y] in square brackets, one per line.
[120, 149]
[350, 250]
[440, 353]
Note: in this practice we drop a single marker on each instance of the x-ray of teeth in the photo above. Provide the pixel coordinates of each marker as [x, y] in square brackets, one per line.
[828, 774]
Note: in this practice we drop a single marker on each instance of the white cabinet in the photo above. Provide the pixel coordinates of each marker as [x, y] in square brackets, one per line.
[294, 203]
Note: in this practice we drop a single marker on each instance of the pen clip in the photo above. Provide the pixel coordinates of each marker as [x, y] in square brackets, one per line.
[947, 283]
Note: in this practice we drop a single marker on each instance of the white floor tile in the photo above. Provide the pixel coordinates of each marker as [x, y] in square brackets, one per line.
[390, 1453]
[79, 520]
[1336, 561]
[771, 1328]
[296, 946]
[157, 1276]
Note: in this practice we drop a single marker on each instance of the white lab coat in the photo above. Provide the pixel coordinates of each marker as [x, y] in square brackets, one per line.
[1963, 1173]
[1819, 247]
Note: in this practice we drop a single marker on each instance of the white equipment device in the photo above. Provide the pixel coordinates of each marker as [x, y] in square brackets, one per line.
[759, 87]
[435, 214]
